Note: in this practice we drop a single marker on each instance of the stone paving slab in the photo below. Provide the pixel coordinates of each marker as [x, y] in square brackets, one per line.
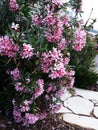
[96, 111]
[83, 121]
[88, 94]
[79, 105]
[81, 109]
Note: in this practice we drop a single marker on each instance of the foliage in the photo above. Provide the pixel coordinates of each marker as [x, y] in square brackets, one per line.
[35, 46]
[84, 64]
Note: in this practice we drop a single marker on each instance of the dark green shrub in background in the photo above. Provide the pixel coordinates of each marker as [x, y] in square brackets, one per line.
[83, 63]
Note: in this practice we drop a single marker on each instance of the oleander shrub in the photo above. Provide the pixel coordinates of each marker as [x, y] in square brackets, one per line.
[35, 46]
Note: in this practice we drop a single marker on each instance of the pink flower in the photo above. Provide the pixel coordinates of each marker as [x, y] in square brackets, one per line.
[80, 40]
[17, 114]
[58, 71]
[62, 44]
[46, 62]
[59, 93]
[53, 63]
[40, 90]
[70, 73]
[19, 87]
[15, 26]
[25, 106]
[27, 51]
[51, 89]
[31, 118]
[54, 108]
[65, 20]
[55, 54]
[70, 83]
[36, 20]
[15, 73]
[40, 82]
[57, 2]
[66, 60]
[13, 5]
[53, 36]
[47, 97]
[54, 28]
[7, 47]
[49, 19]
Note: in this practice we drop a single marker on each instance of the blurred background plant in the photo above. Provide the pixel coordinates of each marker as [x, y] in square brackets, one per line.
[84, 61]
[84, 64]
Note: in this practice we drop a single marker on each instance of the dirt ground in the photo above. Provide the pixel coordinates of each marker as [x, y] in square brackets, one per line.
[50, 123]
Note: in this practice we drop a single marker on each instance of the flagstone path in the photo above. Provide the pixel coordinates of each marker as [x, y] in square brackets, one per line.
[81, 109]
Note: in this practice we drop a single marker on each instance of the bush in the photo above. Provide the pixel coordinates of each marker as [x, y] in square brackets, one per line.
[83, 63]
[35, 46]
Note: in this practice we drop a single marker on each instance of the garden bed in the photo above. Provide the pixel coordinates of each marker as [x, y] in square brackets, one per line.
[51, 123]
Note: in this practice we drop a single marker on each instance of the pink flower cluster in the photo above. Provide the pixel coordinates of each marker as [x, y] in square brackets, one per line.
[62, 44]
[18, 86]
[31, 118]
[54, 107]
[65, 20]
[40, 90]
[53, 63]
[8, 47]
[54, 23]
[59, 93]
[27, 51]
[25, 106]
[36, 20]
[58, 2]
[55, 28]
[15, 74]
[17, 113]
[80, 39]
[28, 118]
[13, 5]
[70, 75]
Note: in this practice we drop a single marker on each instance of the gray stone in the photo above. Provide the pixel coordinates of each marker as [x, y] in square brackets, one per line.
[79, 105]
[86, 122]
[95, 101]
[96, 111]
[91, 95]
